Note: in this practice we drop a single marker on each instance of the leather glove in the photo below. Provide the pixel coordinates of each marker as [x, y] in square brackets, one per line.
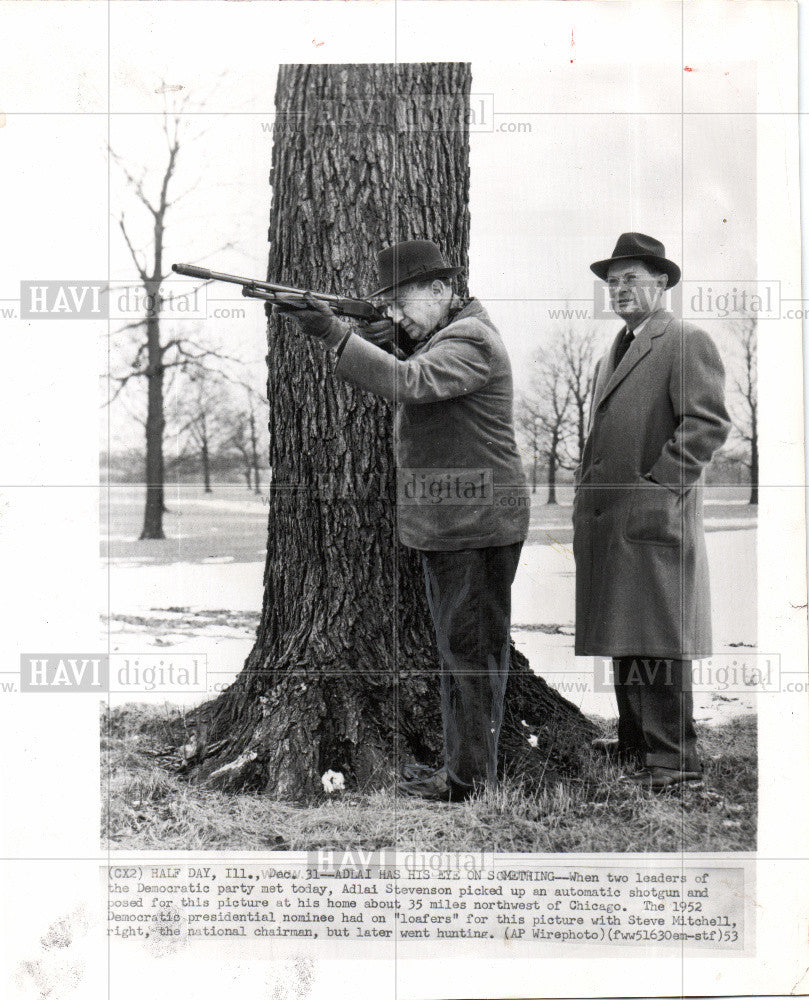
[317, 320]
[381, 334]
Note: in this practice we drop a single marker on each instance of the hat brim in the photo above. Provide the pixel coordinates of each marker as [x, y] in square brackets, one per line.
[601, 268]
[439, 272]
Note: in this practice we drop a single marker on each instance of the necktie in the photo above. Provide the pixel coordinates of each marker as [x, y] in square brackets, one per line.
[623, 346]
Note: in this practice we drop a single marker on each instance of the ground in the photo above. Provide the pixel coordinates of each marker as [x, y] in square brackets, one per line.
[199, 592]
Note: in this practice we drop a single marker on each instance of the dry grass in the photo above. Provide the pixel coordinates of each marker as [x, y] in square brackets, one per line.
[148, 807]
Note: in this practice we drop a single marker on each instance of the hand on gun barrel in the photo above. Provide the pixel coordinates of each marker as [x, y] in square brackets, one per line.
[317, 319]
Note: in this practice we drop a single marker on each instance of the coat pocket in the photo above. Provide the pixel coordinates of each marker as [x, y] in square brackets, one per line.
[654, 516]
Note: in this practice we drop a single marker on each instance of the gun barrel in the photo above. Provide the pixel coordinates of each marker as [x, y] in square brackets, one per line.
[204, 274]
[192, 271]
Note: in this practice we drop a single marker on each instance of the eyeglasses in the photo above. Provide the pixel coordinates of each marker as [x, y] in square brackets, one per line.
[630, 280]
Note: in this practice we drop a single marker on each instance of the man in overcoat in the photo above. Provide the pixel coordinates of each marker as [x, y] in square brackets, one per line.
[462, 500]
[642, 593]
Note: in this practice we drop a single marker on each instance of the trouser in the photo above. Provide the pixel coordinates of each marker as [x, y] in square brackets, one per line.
[656, 711]
[469, 594]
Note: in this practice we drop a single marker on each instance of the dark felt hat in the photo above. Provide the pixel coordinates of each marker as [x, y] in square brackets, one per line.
[413, 260]
[636, 246]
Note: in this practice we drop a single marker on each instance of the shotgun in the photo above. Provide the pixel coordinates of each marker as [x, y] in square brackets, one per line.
[283, 295]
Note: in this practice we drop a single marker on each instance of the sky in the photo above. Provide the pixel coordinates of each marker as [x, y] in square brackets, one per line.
[602, 118]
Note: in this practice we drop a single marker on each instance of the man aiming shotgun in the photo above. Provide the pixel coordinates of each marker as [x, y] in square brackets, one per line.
[462, 497]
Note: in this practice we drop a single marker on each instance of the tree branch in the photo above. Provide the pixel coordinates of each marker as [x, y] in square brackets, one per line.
[141, 269]
[136, 184]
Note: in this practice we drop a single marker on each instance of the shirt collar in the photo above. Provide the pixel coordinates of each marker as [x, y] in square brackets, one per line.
[640, 326]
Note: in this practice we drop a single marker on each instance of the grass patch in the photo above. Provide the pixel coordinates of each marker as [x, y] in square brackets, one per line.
[146, 807]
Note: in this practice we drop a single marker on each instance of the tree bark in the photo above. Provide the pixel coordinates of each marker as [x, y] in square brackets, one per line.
[343, 674]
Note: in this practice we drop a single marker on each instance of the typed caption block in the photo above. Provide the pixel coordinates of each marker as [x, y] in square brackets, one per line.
[614, 906]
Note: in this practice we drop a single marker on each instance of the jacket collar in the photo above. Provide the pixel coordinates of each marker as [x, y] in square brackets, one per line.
[461, 310]
[609, 380]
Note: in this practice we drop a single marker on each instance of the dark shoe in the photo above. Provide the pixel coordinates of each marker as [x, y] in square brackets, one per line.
[416, 772]
[436, 786]
[613, 751]
[658, 779]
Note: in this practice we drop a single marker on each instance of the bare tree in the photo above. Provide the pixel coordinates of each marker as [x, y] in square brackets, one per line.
[254, 439]
[530, 430]
[235, 421]
[239, 438]
[203, 401]
[546, 409]
[576, 351]
[151, 357]
[244, 432]
[552, 414]
[743, 398]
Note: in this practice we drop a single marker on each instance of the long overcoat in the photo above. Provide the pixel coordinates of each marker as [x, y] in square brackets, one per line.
[642, 586]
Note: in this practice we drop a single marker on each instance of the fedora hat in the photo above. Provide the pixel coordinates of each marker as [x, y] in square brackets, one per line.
[412, 260]
[636, 246]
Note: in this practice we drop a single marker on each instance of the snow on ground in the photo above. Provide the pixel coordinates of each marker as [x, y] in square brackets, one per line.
[134, 589]
[172, 608]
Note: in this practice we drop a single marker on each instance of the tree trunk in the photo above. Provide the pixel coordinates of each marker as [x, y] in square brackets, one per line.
[155, 422]
[254, 452]
[343, 674]
[754, 461]
[553, 461]
[581, 436]
[206, 467]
